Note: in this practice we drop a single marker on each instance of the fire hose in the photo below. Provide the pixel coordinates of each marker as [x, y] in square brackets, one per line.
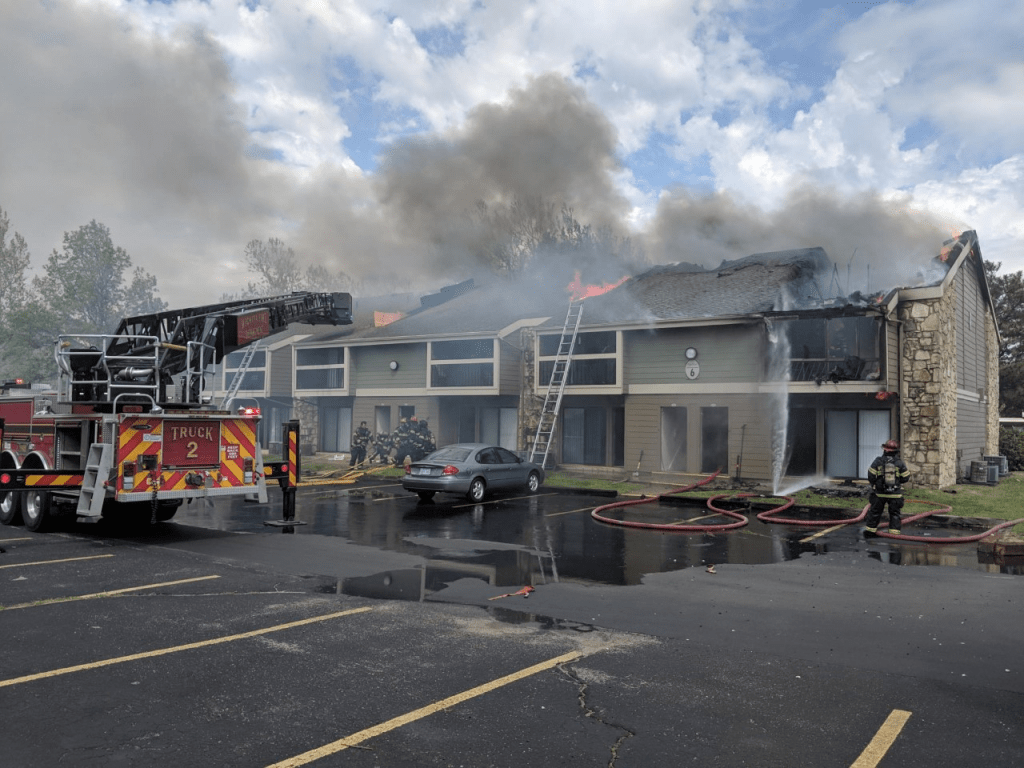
[741, 520]
[771, 516]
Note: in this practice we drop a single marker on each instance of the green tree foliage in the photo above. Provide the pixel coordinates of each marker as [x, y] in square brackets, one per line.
[86, 288]
[85, 283]
[1011, 445]
[277, 271]
[14, 260]
[1008, 299]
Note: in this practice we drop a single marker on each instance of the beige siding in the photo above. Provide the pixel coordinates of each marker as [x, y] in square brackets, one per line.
[280, 372]
[725, 354]
[972, 360]
[892, 357]
[643, 431]
[426, 408]
[369, 367]
[510, 368]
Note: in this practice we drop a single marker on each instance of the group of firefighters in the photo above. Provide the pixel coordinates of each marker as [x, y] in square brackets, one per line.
[412, 438]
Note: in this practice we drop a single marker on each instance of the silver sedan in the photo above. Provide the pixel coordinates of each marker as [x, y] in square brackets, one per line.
[473, 469]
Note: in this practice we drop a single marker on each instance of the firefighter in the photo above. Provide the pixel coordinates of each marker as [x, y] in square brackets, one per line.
[401, 440]
[382, 447]
[360, 439]
[887, 474]
[426, 438]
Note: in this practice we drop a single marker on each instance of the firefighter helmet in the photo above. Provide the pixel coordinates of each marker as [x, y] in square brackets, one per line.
[890, 446]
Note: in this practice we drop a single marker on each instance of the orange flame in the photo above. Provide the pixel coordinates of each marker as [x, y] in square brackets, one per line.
[578, 291]
[386, 318]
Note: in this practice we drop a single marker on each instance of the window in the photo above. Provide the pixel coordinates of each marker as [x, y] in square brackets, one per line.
[319, 368]
[584, 434]
[254, 379]
[472, 363]
[852, 441]
[836, 349]
[594, 359]
[462, 375]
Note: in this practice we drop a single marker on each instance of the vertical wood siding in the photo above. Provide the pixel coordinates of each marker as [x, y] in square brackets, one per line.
[725, 354]
[368, 367]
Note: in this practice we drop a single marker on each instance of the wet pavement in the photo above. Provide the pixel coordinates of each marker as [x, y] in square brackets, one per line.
[516, 540]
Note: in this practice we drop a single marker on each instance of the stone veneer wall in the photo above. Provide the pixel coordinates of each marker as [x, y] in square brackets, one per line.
[992, 362]
[529, 404]
[928, 390]
[308, 414]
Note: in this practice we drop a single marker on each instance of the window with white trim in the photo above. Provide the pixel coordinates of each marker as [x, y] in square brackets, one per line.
[462, 363]
[594, 359]
[255, 378]
[319, 368]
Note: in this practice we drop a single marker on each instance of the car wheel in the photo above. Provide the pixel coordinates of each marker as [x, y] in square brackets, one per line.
[425, 495]
[533, 482]
[36, 510]
[477, 489]
[10, 508]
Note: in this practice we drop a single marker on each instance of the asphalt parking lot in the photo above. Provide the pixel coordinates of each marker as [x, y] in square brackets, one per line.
[187, 645]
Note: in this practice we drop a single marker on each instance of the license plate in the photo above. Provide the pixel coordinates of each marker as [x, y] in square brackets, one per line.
[421, 470]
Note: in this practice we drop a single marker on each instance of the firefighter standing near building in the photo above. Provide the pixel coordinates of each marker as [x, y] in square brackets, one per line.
[400, 439]
[360, 439]
[426, 439]
[887, 474]
[382, 448]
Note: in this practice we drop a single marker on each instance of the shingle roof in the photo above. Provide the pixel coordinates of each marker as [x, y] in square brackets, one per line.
[758, 283]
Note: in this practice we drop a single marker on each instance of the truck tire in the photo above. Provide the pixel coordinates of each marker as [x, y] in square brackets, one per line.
[10, 508]
[35, 510]
[10, 503]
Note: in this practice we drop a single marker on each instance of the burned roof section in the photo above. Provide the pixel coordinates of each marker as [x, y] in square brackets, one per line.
[762, 282]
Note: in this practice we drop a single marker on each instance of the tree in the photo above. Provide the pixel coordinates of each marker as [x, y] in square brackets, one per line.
[84, 283]
[1008, 299]
[82, 291]
[14, 260]
[277, 269]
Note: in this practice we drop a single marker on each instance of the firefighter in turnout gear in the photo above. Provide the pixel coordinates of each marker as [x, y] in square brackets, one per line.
[360, 439]
[887, 474]
[401, 439]
[382, 448]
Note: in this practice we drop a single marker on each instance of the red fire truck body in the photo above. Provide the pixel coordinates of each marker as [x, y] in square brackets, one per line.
[111, 442]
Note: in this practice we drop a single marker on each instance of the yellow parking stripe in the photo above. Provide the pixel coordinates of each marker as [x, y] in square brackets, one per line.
[108, 593]
[875, 751]
[821, 533]
[570, 512]
[51, 562]
[176, 648]
[418, 714]
[505, 498]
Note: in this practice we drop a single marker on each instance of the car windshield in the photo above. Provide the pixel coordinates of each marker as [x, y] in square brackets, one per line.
[451, 453]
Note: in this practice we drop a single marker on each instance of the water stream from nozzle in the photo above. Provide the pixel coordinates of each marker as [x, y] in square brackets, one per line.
[778, 380]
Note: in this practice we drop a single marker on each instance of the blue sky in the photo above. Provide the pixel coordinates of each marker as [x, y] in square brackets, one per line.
[361, 132]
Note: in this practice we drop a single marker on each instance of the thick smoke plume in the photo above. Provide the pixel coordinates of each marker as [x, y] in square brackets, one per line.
[143, 132]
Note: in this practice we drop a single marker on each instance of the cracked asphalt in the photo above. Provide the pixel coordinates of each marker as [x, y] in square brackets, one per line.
[185, 645]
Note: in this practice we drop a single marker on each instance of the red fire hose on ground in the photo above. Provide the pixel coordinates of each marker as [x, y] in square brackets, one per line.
[771, 516]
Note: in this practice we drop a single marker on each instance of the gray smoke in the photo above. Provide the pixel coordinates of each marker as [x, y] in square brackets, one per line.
[144, 134]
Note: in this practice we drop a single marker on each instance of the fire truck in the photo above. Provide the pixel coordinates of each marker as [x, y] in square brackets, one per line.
[131, 429]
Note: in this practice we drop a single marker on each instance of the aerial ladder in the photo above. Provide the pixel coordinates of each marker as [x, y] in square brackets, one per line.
[132, 427]
[556, 384]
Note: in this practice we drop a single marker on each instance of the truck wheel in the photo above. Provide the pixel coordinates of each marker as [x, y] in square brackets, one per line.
[167, 510]
[36, 510]
[10, 508]
[477, 489]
